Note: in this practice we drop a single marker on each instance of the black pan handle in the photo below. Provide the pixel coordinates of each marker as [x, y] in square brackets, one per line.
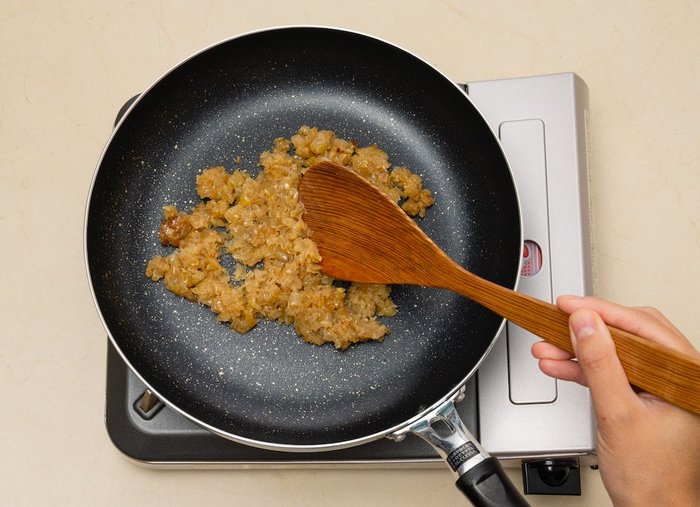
[487, 485]
[479, 475]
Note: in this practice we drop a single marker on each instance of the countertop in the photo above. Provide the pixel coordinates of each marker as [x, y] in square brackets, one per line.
[67, 67]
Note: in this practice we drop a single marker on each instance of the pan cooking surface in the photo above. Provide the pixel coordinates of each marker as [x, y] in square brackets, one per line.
[231, 101]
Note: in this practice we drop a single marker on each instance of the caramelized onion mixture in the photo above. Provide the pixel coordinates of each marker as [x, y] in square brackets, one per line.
[258, 221]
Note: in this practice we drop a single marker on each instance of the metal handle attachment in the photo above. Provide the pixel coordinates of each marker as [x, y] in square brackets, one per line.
[479, 476]
[445, 431]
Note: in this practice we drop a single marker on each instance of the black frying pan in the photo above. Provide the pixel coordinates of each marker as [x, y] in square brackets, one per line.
[268, 388]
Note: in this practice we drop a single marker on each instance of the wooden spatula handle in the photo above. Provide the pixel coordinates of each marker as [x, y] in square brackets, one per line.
[655, 368]
[349, 232]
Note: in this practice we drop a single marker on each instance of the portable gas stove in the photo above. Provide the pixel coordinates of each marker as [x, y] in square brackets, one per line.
[518, 414]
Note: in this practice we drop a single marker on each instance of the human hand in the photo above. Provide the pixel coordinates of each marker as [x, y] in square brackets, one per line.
[648, 450]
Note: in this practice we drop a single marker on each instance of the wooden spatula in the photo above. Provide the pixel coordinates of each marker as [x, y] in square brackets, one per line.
[363, 236]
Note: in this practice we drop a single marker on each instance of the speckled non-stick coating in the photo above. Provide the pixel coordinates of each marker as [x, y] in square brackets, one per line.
[231, 101]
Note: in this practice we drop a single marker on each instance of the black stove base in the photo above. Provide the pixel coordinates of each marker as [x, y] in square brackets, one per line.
[160, 436]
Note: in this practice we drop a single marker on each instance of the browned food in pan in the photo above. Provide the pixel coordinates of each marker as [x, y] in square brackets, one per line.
[258, 221]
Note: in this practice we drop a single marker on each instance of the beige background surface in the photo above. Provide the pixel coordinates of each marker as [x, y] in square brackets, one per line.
[66, 68]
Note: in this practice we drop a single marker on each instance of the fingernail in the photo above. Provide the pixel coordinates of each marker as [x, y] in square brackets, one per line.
[583, 324]
[569, 296]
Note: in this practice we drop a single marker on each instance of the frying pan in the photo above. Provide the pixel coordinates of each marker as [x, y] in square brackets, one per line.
[268, 388]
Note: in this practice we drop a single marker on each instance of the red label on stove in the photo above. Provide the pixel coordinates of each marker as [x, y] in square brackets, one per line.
[532, 259]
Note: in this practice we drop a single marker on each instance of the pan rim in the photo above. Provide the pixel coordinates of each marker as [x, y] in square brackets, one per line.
[395, 430]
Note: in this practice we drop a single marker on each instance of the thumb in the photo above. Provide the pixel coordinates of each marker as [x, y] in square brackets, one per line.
[595, 352]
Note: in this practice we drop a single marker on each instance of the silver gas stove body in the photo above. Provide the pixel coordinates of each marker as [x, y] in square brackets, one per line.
[542, 123]
[516, 412]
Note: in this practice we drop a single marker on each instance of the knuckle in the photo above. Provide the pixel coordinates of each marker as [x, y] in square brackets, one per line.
[652, 312]
[596, 356]
[595, 362]
[652, 317]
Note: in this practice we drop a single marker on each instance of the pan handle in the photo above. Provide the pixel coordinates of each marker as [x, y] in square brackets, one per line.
[479, 475]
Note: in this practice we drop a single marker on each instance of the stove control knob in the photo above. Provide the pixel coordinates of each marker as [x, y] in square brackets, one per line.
[552, 477]
[553, 473]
